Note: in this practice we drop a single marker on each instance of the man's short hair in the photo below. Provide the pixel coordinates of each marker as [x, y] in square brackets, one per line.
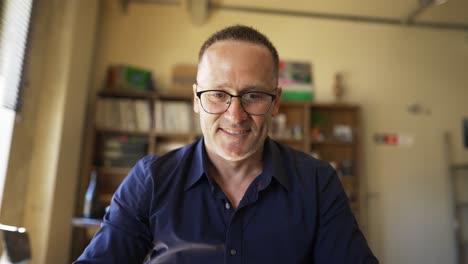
[241, 33]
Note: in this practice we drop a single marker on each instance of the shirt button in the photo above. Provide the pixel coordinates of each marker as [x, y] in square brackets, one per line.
[233, 252]
[227, 206]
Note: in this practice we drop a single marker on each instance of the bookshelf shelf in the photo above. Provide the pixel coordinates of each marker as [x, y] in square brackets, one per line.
[173, 135]
[333, 142]
[86, 222]
[288, 140]
[113, 171]
[287, 104]
[335, 106]
[122, 131]
[174, 96]
[134, 94]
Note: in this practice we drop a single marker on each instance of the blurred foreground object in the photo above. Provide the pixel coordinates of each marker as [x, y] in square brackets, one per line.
[16, 247]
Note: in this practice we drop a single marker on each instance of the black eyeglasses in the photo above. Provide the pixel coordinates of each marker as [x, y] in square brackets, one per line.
[217, 102]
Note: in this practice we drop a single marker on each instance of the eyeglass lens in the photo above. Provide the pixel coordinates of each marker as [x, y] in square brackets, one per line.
[255, 103]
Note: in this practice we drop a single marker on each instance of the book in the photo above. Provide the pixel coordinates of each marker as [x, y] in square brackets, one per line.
[158, 116]
[176, 117]
[121, 150]
[123, 114]
[296, 80]
[143, 115]
[126, 77]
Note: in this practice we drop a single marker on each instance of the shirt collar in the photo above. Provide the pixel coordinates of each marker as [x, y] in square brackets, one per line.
[273, 166]
[199, 164]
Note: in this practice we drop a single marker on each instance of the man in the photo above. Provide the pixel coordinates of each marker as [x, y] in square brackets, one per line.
[234, 196]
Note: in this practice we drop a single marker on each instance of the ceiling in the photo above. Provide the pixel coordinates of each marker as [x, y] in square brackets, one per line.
[452, 14]
[452, 11]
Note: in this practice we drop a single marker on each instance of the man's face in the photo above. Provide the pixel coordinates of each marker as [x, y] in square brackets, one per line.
[236, 67]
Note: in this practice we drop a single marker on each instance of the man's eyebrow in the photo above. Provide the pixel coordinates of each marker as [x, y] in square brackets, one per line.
[253, 88]
[221, 85]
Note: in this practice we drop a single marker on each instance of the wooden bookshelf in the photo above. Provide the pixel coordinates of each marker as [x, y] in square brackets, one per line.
[134, 94]
[331, 146]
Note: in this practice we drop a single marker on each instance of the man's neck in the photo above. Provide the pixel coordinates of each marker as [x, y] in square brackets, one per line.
[234, 177]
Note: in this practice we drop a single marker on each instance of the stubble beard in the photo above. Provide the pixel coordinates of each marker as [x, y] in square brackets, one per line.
[257, 145]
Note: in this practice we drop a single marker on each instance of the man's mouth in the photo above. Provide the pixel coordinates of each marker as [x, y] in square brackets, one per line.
[236, 131]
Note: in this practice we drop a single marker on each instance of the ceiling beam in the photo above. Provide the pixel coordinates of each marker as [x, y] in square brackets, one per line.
[342, 17]
[423, 6]
[409, 19]
[125, 3]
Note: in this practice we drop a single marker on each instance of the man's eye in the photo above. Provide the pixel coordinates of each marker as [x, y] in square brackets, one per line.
[253, 96]
[217, 95]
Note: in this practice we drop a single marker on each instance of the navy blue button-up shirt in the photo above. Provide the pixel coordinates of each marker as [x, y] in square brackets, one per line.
[168, 210]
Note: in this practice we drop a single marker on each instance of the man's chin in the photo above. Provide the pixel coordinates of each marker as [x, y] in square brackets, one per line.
[236, 150]
[235, 155]
[234, 158]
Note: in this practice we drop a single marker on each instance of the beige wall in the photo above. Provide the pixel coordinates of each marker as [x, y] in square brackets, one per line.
[385, 67]
[45, 152]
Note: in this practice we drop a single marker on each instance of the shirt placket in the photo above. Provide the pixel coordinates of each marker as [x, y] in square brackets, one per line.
[235, 230]
[233, 244]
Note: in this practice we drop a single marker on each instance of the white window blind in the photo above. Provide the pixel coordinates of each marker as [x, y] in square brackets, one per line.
[14, 28]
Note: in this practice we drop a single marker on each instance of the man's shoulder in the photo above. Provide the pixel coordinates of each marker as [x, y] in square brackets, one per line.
[301, 169]
[297, 157]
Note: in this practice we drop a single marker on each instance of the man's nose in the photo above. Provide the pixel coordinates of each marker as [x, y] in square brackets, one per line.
[235, 111]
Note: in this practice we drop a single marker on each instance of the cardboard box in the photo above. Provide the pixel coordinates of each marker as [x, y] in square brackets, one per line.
[183, 78]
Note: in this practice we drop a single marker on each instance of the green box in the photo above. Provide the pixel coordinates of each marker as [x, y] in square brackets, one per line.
[297, 96]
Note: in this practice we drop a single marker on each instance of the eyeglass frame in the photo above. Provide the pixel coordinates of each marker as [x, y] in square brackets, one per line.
[199, 93]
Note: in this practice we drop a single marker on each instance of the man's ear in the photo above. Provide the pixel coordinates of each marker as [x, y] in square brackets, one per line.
[276, 103]
[196, 105]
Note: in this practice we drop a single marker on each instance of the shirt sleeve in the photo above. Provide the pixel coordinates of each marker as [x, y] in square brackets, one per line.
[339, 239]
[125, 236]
